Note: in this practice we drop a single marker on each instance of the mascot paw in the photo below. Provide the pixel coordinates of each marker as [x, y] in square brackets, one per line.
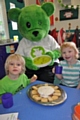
[33, 67]
[29, 64]
[57, 53]
[51, 63]
[54, 55]
[50, 53]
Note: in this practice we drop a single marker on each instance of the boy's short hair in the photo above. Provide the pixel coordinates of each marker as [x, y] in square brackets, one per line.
[15, 57]
[71, 45]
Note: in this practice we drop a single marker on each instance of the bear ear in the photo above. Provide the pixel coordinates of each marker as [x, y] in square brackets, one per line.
[48, 7]
[13, 14]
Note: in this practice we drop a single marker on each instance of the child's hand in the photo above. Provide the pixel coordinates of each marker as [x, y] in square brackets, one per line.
[59, 76]
[53, 70]
[78, 87]
[74, 117]
[34, 78]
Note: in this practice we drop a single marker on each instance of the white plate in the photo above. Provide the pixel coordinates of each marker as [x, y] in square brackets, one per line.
[42, 61]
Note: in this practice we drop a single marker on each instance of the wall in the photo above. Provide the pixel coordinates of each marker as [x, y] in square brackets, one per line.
[11, 31]
[59, 24]
[4, 34]
[29, 2]
[75, 2]
[64, 24]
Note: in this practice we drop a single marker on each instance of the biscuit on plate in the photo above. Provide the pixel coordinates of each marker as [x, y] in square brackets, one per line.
[33, 92]
[56, 87]
[50, 99]
[36, 97]
[34, 87]
[44, 100]
[57, 93]
[54, 97]
[46, 84]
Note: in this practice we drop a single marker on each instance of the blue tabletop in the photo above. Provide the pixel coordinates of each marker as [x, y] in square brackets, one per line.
[29, 110]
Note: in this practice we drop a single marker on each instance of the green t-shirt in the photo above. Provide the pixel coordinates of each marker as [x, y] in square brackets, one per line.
[13, 86]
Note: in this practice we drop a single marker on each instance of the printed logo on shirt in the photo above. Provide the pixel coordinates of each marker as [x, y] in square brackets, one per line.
[19, 88]
[37, 51]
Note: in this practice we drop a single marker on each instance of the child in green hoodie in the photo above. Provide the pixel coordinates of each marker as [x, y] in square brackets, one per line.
[15, 78]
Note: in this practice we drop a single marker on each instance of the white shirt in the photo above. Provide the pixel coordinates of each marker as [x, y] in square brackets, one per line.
[33, 49]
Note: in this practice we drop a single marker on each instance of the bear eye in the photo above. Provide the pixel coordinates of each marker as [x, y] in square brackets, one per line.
[40, 22]
[28, 24]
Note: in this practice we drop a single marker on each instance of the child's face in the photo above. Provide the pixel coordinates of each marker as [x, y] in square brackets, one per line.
[15, 67]
[68, 54]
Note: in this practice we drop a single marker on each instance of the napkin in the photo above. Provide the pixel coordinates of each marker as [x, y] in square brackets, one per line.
[9, 116]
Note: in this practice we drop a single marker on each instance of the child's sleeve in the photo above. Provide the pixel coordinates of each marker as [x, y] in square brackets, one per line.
[26, 80]
[60, 63]
[2, 91]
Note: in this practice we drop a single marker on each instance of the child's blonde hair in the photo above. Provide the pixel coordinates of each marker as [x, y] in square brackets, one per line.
[16, 57]
[71, 45]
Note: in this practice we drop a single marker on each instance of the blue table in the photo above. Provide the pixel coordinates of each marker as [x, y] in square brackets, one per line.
[29, 110]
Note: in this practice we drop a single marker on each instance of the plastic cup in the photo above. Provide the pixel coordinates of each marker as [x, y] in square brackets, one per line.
[7, 100]
[77, 111]
[58, 69]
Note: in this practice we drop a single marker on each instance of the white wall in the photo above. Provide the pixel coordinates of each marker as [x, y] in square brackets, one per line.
[64, 24]
[29, 2]
[75, 2]
[3, 19]
[59, 24]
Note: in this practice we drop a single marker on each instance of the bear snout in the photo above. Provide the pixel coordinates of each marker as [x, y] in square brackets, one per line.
[35, 33]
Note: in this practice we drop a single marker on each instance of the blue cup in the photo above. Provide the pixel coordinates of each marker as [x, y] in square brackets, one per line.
[7, 100]
[58, 69]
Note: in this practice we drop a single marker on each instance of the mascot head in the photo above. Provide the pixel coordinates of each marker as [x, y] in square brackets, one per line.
[33, 21]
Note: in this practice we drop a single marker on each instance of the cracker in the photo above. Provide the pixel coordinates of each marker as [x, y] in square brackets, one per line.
[44, 100]
[54, 97]
[33, 92]
[56, 87]
[50, 99]
[34, 87]
[46, 84]
[57, 93]
[37, 98]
